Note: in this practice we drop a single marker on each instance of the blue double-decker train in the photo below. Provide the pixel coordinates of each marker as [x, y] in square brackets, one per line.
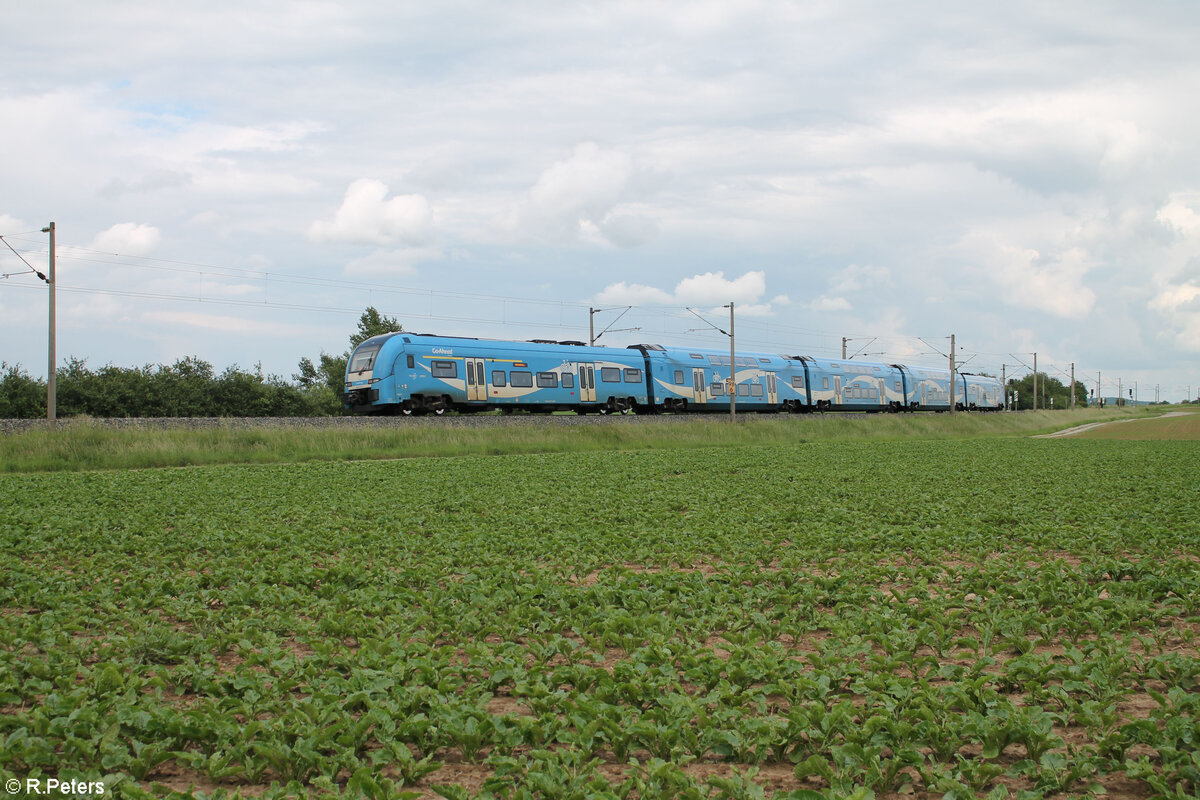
[407, 373]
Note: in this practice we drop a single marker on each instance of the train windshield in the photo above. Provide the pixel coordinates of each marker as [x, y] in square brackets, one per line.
[364, 359]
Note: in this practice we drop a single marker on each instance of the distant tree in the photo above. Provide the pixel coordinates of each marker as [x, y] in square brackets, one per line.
[21, 397]
[188, 388]
[1048, 389]
[323, 383]
[372, 323]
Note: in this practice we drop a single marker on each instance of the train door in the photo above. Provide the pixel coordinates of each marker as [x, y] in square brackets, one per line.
[772, 394]
[837, 389]
[882, 392]
[698, 394]
[476, 380]
[587, 383]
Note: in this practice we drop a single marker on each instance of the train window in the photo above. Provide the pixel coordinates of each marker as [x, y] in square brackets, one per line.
[364, 360]
[568, 380]
[696, 355]
[797, 381]
[633, 376]
[610, 375]
[717, 390]
[743, 390]
[445, 369]
[679, 377]
[499, 378]
[547, 380]
[756, 390]
[411, 362]
[764, 361]
[825, 383]
[521, 379]
[897, 387]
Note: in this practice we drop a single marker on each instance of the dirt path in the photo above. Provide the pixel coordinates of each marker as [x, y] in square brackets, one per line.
[1089, 426]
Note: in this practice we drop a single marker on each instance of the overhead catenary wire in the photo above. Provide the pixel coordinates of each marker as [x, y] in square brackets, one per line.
[774, 335]
[32, 268]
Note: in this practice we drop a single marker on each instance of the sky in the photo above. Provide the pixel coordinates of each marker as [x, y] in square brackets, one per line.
[238, 181]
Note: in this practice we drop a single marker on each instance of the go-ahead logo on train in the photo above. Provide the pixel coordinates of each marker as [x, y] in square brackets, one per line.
[442, 351]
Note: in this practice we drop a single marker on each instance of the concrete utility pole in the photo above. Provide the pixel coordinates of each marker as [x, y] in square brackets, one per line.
[1072, 385]
[732, 386]
[52, 368]
[1035, 381]
[1004, 383]
[1099, 400]
[591, 327]
[843, 348]
[953, 380]
[732, 369]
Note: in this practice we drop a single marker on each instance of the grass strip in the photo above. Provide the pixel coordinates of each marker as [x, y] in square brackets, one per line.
[91, 445]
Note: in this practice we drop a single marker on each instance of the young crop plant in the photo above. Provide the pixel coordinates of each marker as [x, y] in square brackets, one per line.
[453, 627]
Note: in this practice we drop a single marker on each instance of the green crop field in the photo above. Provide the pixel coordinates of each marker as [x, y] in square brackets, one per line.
[959, 618]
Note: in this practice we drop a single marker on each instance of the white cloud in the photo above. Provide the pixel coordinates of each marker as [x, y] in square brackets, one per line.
[536, 152]
[709, 290]
[587, 195]
[628, 229]
[824, 303]
[393, 263]
[856, 278]
[212, 288]
[367, 217]
[225, 324]
[1180, 213]
[1027, 279]
[1175, 296]
[634, 294]
[127, 239]
[10, 225]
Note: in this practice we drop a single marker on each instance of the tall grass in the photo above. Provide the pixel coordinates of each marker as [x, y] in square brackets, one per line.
[89, 445]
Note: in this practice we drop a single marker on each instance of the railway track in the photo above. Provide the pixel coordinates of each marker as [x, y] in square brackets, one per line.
[486, 420]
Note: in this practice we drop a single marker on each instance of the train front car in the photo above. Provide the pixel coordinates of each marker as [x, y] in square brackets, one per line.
[369, 387]
[421, 374]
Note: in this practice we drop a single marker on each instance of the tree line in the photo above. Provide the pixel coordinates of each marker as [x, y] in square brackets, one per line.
[190, 387]
[1051, 393]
